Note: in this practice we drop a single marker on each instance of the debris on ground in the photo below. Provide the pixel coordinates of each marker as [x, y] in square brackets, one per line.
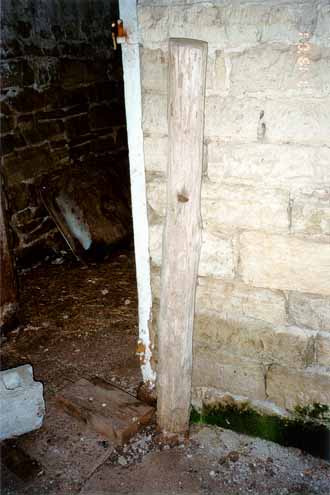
[99, 338]
[252, 466]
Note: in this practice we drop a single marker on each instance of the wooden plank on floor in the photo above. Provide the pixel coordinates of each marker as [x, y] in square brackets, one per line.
[107, 409]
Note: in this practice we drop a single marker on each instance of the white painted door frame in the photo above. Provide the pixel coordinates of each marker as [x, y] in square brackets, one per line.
[133, 105]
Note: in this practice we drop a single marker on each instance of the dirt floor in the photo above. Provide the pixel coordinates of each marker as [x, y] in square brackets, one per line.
[81, 321]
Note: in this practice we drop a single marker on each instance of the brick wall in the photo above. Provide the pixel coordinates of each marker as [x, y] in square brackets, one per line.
[62, 103]
[263, 298]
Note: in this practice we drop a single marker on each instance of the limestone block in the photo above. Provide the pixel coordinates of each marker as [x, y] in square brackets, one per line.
[156, 2]
[217, 256]
[290, 388]
[322, 345]
[231, 206]
[155, 243]
[309, 310]
[300, 121]
[154, 69]
[256, 340]
[155, 153]
[220, 24]
[154, 113]
[239, 300]
[229, 373]
[283, 262]
[22, 404]
[251, 23]
[153, 23]
[203, 22]
[310, 71]
[154, 63]
[231, 119]
[259, 69]
[241, 206]
[269, 164]
[223, 25]
[216, 76]
[311, 211]
[281, 69]
[155, 282]
[156, 194]
[321, 33]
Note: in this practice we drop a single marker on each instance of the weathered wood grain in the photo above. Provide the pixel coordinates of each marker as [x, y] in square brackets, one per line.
[182, 232]
[107, 409]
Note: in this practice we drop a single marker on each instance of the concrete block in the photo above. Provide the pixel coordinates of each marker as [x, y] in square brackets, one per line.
[241, 206]
[239, 300]
[310, 310]
[289, 388]
[22, 404]
[283, 262]
[311, 211]
[267, 164]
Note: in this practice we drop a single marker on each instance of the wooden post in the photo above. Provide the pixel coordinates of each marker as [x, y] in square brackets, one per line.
[182, 232]
[8, 288]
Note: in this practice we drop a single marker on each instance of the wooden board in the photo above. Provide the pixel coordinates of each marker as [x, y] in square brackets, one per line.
[107, 409]
[182, 232]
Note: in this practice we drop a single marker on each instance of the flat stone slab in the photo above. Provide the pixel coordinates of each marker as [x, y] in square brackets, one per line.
[22, 405]
[107, 409]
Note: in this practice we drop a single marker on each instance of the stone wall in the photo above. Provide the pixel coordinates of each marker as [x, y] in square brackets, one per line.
[62, 103]
[263, 299]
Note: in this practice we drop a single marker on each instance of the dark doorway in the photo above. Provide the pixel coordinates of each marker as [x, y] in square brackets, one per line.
[65, 173]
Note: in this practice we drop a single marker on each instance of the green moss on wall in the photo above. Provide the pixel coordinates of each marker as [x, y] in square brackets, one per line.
[314, 412]
[301, 431]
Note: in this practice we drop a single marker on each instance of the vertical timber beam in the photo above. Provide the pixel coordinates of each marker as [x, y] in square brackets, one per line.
[182, 232]
[133, 105]
[8, 287]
